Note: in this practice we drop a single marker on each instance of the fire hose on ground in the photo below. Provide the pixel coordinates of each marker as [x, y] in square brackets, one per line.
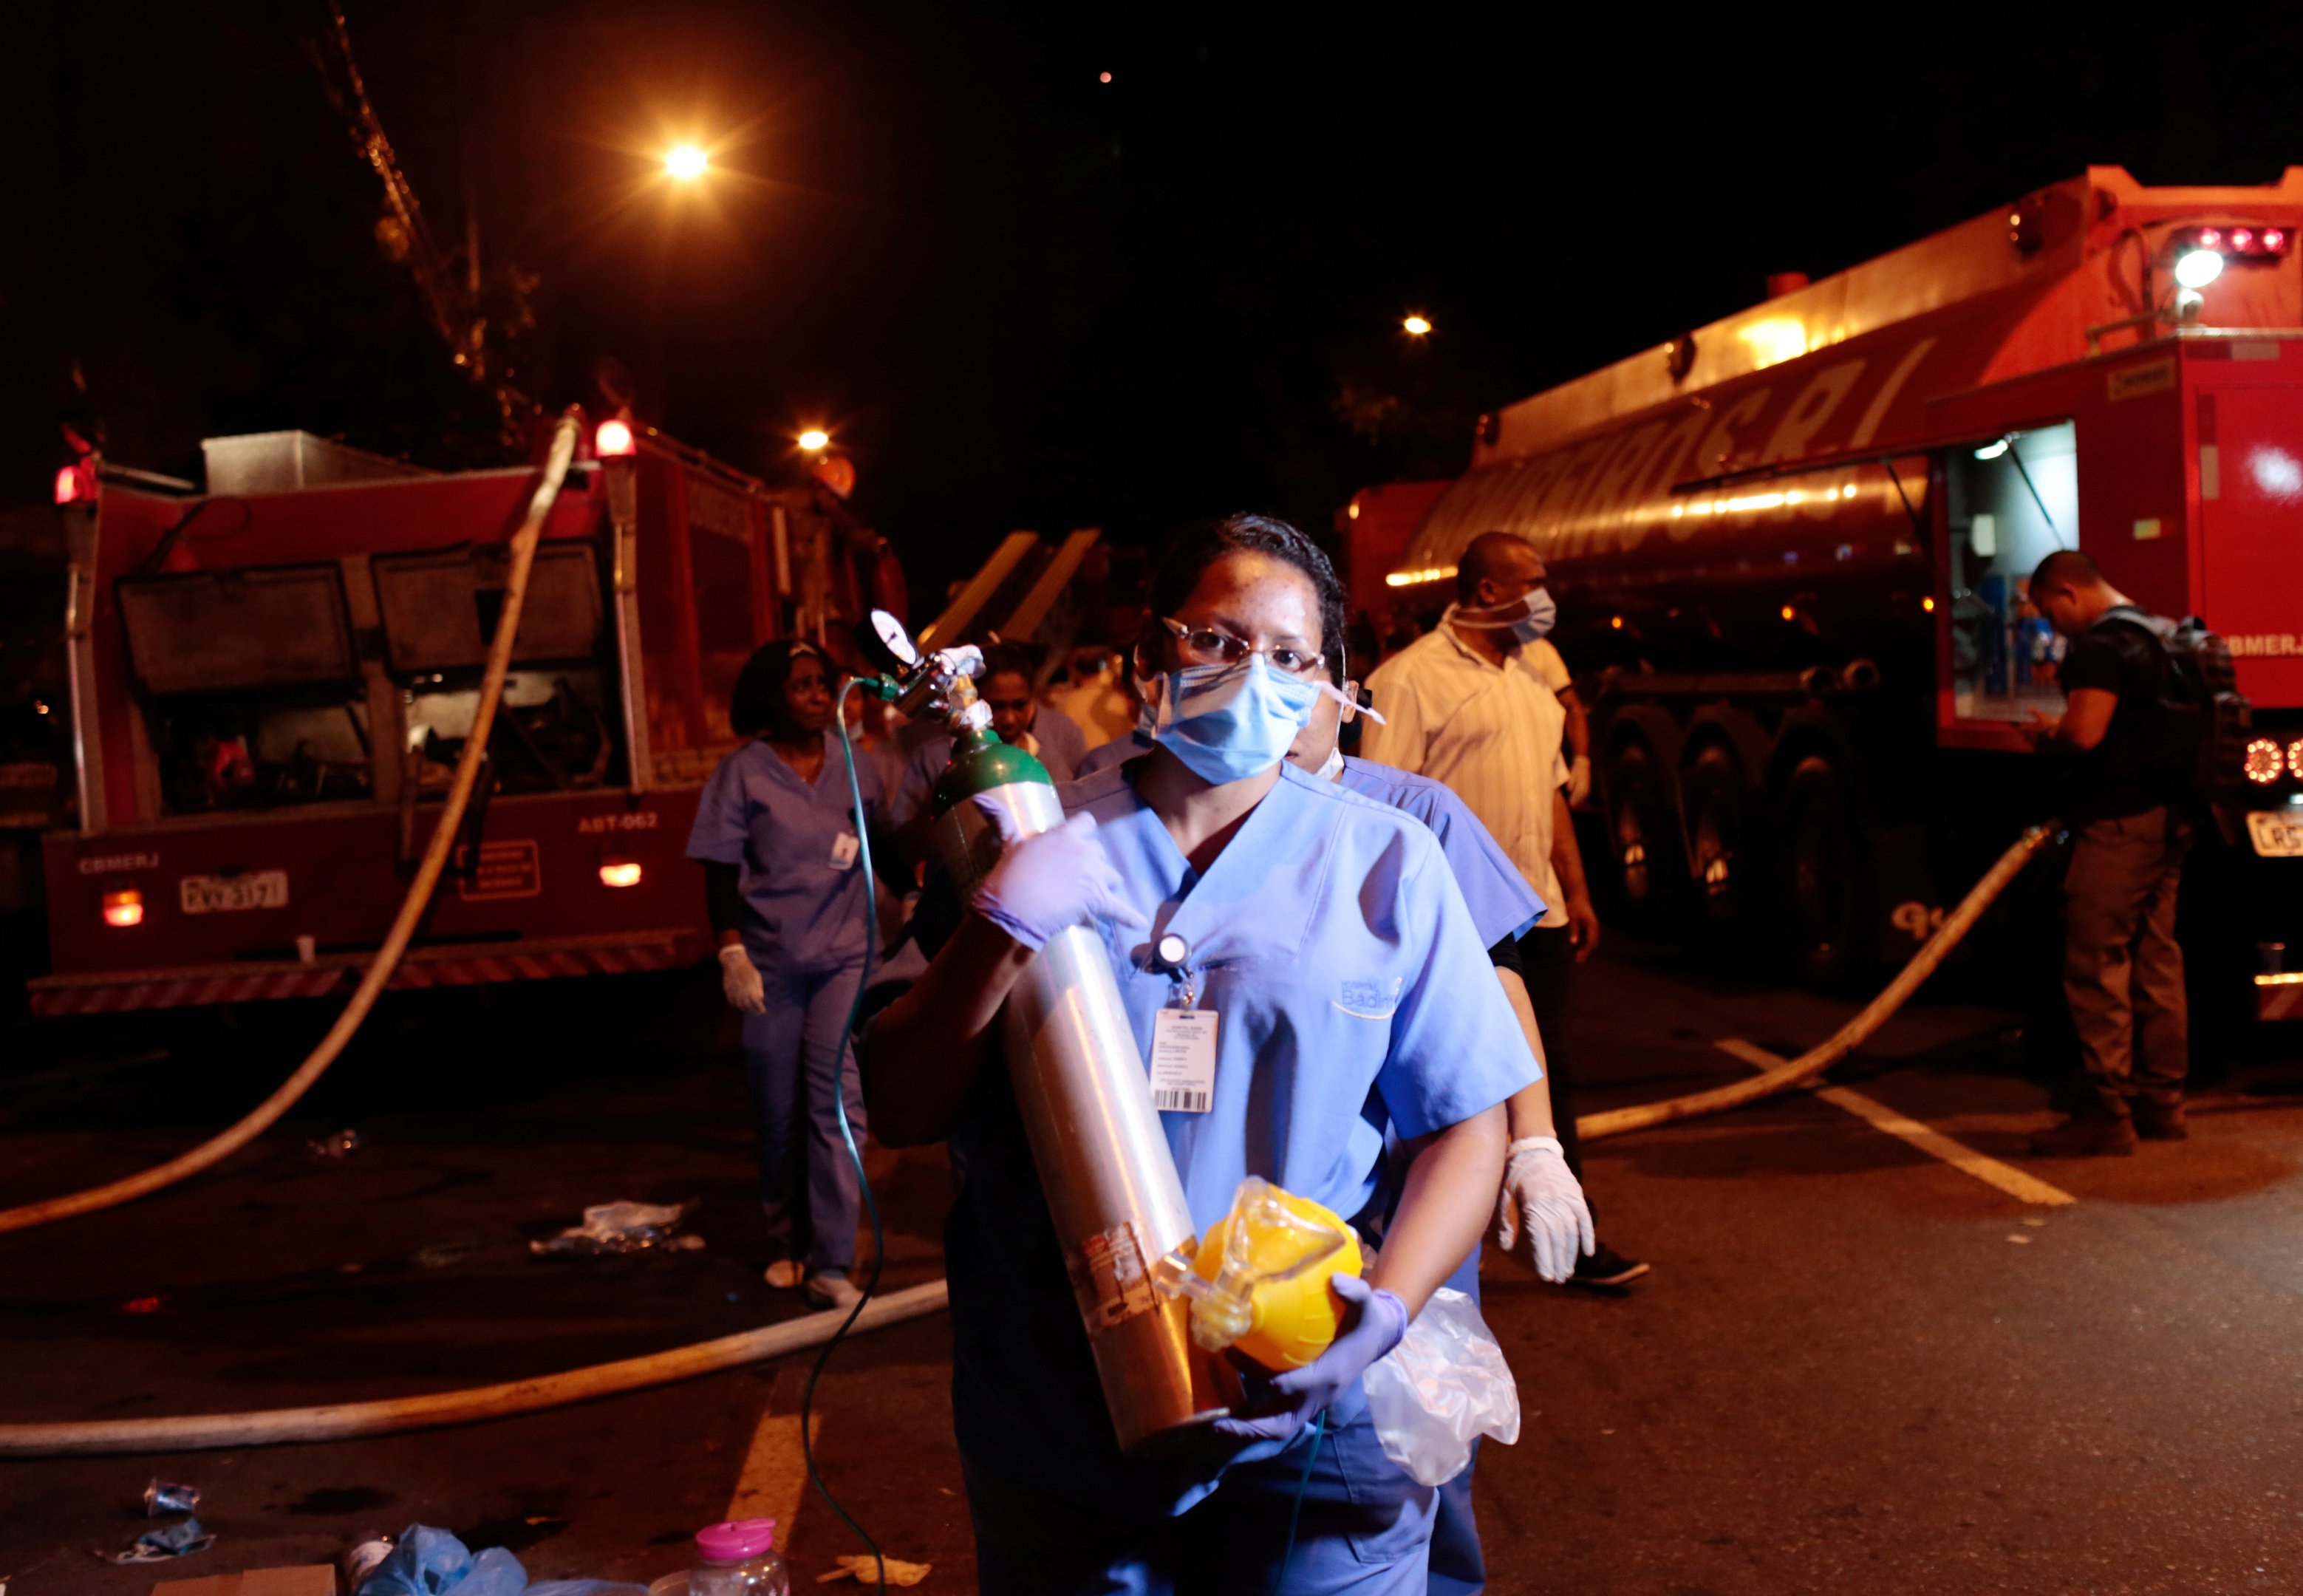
[350, 1420]
[1798, 1072]
[259, 1119]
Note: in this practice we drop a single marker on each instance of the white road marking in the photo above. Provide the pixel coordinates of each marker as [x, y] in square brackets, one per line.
[2018, 1184]
[775, 1473]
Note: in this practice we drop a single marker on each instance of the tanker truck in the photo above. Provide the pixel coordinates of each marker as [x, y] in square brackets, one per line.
[1791, 552]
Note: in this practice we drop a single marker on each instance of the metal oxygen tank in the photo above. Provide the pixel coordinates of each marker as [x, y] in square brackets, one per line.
[1079, 1080]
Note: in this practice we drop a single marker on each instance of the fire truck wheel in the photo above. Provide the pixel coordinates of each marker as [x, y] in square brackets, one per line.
[1823, 878]
[1711, 792]
[1640, 837]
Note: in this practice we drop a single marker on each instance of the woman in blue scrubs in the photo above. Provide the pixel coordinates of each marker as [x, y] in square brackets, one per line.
[776, 835]
[1329, 936]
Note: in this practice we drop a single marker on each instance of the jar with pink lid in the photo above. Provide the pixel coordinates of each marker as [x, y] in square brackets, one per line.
[739, 1558]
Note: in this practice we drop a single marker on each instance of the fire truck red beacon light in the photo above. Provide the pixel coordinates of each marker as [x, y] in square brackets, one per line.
[2239, 242]
[612, 440]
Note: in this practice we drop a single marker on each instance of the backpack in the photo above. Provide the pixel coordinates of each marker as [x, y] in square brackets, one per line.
[2197, 733]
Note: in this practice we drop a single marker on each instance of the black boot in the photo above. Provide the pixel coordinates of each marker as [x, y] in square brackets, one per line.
[2099, 1126]
[2160, 1121]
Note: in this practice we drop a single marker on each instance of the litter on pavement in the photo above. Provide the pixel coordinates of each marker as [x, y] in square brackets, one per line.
[178, 1540]
[426, 1561]
[162, 1496]
[340, 1145]
[623, 1227]
[432, 1562]
[865, 1569]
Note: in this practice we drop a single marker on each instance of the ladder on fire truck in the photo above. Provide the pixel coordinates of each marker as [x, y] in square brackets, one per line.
[1025, 583]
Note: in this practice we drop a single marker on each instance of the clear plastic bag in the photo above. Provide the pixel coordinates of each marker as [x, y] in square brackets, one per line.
[1445, 1385]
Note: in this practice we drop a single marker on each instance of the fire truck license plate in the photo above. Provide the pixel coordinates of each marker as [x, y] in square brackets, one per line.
[2276, 836]
[221, 894]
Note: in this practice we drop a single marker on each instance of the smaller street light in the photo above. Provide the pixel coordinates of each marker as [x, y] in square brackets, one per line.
[1416, 327]
[685, 161]
[815, 440]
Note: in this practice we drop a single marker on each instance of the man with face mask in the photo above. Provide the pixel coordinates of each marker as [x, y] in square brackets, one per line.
[1466, 706]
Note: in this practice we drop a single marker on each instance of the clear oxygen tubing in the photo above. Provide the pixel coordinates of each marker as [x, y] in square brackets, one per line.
[1800, 1071]
[260, 1118]
[1296, 1504]
[847, 1133]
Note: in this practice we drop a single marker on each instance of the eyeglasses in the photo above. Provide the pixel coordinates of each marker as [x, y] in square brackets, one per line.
[1204, 645]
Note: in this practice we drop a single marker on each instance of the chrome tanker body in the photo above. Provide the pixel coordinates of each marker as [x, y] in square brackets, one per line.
[1791, 552]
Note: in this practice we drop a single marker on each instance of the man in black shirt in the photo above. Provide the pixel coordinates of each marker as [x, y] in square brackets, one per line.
[2122, 971]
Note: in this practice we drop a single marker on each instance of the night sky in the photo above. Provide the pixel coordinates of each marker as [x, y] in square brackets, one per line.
[1020, 295]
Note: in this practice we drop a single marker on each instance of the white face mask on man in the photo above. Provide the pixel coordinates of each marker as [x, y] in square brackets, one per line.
[1527, 617]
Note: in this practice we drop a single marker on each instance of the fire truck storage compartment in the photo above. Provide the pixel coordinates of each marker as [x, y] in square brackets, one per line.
[439, 609]
[251, 686]
[226, 631]
[2009, 502]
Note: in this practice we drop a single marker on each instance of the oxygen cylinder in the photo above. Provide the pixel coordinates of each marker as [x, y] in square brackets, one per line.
[1086, 1103]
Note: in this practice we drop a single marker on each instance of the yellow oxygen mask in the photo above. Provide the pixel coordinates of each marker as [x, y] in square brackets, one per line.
[1258, 1280]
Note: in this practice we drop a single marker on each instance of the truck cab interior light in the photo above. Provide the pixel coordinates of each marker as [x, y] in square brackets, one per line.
[2196, 268]
[2264, 761]
[613, 439]
[1993, 449]
[124, 908]
[620, 872]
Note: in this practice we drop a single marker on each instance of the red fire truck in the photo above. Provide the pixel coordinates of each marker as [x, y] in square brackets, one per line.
[1791, 550]
[271, 680]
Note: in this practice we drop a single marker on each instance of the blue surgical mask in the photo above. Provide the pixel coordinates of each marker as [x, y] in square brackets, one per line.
[1228, 723]
[1526, 618]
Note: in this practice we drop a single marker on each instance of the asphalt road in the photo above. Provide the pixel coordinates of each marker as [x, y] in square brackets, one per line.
[1856, 1367]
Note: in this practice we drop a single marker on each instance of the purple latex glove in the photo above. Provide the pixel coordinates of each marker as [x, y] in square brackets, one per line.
[1291, 1400]
[1050, 880]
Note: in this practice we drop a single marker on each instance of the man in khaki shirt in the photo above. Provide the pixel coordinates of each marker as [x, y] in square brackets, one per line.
[1465, 705]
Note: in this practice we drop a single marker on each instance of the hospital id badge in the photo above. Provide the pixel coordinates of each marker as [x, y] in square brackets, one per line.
[844, 850]
[1184, 1059]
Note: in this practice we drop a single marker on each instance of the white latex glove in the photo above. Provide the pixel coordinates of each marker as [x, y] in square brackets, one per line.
[1541, 1199]
[1579, 780]
[739, 978]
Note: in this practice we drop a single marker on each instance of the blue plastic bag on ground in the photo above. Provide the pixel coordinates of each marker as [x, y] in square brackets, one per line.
[433, 1562]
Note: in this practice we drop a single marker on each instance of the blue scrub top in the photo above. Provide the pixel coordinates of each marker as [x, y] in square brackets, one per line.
[1353, 989]
[1501, 902]
[806, 911]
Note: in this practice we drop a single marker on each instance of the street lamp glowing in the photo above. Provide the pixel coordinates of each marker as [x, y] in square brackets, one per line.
[685, 161]
[815, 440]
[1416, 327]
[2198, 267]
